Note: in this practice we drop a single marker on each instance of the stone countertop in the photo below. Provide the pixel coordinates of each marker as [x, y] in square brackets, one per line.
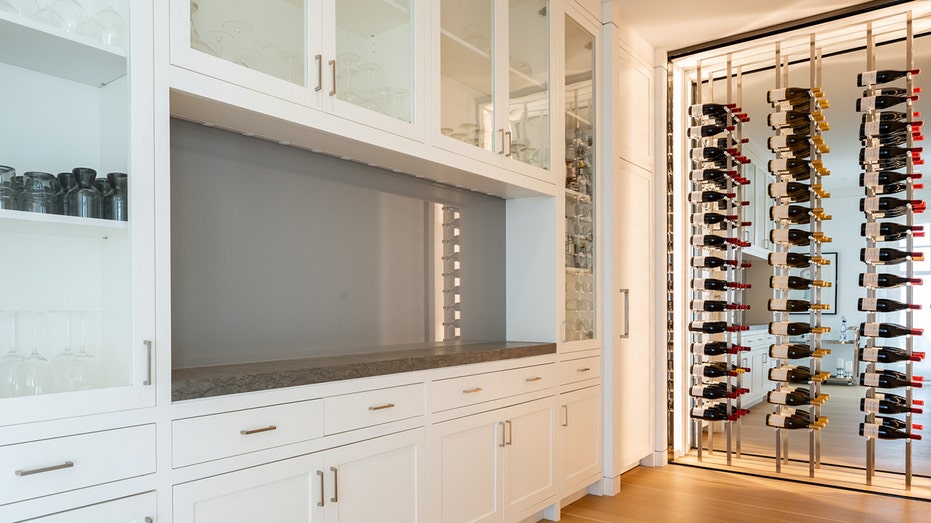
[218, 380]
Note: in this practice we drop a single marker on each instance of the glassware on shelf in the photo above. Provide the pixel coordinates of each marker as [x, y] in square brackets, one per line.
[32, 373]
[265, 49]
[49, 17]
[197, 43]
[84, 199]
[107, 27]
[72, 14]
[116, 201]
[370, 93]
[293, 68]
[84, 365]
[7, 194]
[66, 181]
[63, 376]
[11, 357]
[348, 63]
[39, 192]
[237, 28]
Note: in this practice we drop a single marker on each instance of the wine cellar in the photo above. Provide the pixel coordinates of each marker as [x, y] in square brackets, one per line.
[776, 265]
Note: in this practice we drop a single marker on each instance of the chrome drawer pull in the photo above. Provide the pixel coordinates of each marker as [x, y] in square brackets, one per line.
[535, 378]
[380, 407]
[29, 472]
[585, 369]
[473, 389]
[256, 431]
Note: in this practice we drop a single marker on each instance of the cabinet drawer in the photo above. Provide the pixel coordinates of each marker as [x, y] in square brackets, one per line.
[39, 468]
[372, 407]
[205, 438]
[469, 390]
[572, 371]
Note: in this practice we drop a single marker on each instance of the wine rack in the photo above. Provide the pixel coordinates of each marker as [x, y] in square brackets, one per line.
[888, 157]
[797, 213]
[451, 284]
[717, 195]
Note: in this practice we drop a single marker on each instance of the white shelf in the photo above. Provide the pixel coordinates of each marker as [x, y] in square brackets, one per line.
[57, 225]
[573, 116]
[30, 45]
[577, 270]
[366, 18]
[578, 195]
[474, 69]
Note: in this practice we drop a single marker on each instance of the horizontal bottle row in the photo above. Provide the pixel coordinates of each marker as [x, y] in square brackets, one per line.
[77, 193]
[789, 418]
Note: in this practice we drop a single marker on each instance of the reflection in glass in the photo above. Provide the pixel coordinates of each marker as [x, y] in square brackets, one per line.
[529, 97]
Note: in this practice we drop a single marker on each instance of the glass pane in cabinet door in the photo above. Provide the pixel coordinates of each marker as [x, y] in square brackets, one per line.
[375, 55]
[467, 72]
[65, 200]
[528, 82]
[580, 177]
[265, 35]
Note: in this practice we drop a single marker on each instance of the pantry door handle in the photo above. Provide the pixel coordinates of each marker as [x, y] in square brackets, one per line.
[626, 293]
[148, 362]
[319, 86]
[510, 432]
[256, 431]
[508, 134]
[333, 72]
[502, 141]
[29, 472]
[322, 493]
[335, 498]
[381, 407]
[565, 413]
[503, 441]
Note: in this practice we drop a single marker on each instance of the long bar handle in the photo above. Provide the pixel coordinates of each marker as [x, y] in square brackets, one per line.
[319, 59]
[510, 432]
[472, 390]
[503, 441]
[333, 72]
[322, 492]
[29, 472]
[565, 414]
[584, 369]
[382, 407]
[508, 135]
[501, 151]
[148, 362]
[256, 431]
[535, 378]
[335, 471]
[626, 293]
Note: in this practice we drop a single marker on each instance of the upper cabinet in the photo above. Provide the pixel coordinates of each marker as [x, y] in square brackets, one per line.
[493, 77]
[76, 218]
[354, 58]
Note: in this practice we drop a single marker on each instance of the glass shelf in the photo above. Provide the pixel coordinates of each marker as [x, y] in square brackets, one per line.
[54, 224]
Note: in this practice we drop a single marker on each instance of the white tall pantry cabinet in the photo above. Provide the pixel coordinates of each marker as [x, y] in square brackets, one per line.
[509, 440]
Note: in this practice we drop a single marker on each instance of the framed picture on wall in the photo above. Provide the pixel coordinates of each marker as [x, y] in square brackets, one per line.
[828, 294]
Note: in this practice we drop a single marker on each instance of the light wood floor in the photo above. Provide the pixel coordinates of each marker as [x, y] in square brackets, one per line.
[677, 493]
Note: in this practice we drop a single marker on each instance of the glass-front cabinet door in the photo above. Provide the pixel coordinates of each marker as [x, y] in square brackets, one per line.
[494, 74]
[76, 218]
[580, 187]
[356, 58]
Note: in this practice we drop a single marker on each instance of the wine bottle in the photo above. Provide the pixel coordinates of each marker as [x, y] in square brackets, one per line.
[878, 431]
[875, 154]
[795, 328]
[715, 284]
[701, 131]
[790, 351]
[890, 91]
[717, 413]
[884, 305]
[796, 237]
[711, 153]
[789, 94]
[797, 214]
[710, 109]
[715, 306]
[888, 231]
[888, 206]
[795, 283]
[792, 119]
[711, 262]
[885, 281]
[889, 116]
[717, 369]
[882, 76]
[891, 139]
[709, 196]
[895, 188]
[711, 218]
[888, 354]
[791, 374]
[793, 142]
[717, 176]
[888, 379]
[873, 103]
[716, 391]
[786, 422]
[793, 259]
[789, 397]
[887, 330]
[887, 256]
[795, 191]
[896, 423]
[715, 327]
[885, 177]
[717, 348]
[711, 241]
[787, 305]
[882, 406]
[881, 127]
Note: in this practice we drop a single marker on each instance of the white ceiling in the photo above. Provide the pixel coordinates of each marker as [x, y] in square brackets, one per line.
[674, 24]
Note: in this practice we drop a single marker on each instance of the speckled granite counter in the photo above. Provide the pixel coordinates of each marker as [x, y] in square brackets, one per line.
[218, 380]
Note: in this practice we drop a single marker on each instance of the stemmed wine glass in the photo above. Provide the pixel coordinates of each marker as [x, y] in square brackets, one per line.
[11, 359]
[265, 47]
[348, 61]
[218, 41]
[197, 43]
[32, 374]
[84, 364]
[106, 26]
[71, 13]
[292, 63]
[64, 371]
[368, 100]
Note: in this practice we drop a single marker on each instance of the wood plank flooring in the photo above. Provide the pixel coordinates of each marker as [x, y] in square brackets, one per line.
[677, 493]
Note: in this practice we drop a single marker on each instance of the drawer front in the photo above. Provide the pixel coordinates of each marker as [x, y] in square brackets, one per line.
[581, 369]
[205, 438]
[470, 390]
[39, 468]
[372, 407]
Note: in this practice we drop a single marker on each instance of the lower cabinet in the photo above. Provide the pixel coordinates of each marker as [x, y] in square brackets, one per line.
[580, 430]
[494, 466]
[381, 479]
[134, 509]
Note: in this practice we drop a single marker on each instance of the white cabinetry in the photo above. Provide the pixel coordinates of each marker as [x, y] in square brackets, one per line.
[494, 466]
[758, 361]
[382, 479]
[580, 449]
[134, 509]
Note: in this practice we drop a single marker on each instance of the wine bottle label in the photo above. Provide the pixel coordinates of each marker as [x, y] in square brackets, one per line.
[781, 212]
[780, 164]
[779, 351]
[777, 142]
[871, 254]
[870, 154]
[871, 178]
[778, 119]
[776, 95]
[696, 391]
[871, 279]
[780, 282]
[870, 405]
[778, 189]
[873, 229]
[867, 103]
[778, 304]
[698, 370]
[869, 304]
[698, 348]
[780, 374]
[778, 397]
[871, 430]
[872, 128]
[698, 305]
[867, 78]
[776, 420]
[870, 379]
[870, 204]
[780, 235]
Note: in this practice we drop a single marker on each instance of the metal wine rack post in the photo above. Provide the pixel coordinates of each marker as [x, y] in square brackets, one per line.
[870, 164]
[788, 131]
[451, 294]
[731, 272]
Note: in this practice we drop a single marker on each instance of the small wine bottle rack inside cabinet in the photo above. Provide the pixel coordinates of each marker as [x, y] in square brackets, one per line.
[717, 189]
[888, 156]
[797, 212]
